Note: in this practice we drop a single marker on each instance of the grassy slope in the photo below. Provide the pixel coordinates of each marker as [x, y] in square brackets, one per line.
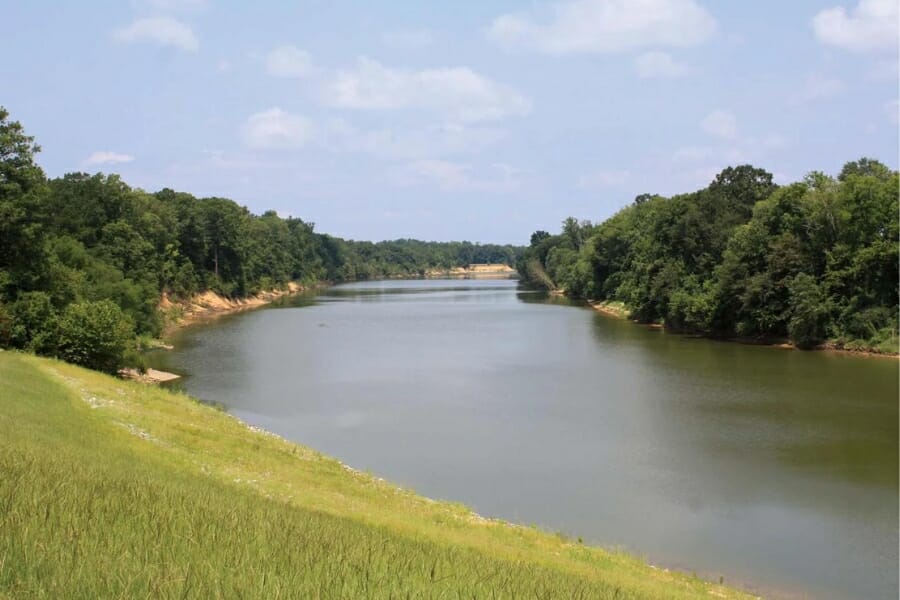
[113, 489]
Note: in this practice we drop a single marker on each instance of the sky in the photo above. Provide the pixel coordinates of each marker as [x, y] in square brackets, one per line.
[470, 120]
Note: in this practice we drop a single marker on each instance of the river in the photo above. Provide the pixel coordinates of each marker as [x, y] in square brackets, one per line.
[772, 468]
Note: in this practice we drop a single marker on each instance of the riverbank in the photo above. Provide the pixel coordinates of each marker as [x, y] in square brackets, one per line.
[177, 498]
[209, 305]
[200, 308]
[620, 311]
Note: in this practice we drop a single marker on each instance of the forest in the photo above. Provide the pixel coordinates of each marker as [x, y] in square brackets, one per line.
[815, 261]
[85, 258]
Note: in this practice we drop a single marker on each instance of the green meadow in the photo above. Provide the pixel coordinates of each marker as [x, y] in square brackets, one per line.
[112, 489]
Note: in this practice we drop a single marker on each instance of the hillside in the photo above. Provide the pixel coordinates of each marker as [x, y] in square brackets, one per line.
[114, 489]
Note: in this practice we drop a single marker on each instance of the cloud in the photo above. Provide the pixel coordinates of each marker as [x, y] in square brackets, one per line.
[720, 124]
[457, 92]
[817, 87]
[434, 140]
[163, 31]
[659, 64]
[288, 61]
[223, 66]
[107, 158]
[698, 165]
[706, 153]
[731, 151]
[275, 129]
[870, 26]
[604, 26]
[409, 39]
[453, 176]
[603, 178]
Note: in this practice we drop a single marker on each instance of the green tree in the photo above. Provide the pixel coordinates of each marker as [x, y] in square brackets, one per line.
[808, 311]
[865, 167]
[22, 192]
[95, 335]
[33, 323]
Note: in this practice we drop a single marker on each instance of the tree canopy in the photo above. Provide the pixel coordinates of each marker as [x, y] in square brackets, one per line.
[85, 243]
[813, 261]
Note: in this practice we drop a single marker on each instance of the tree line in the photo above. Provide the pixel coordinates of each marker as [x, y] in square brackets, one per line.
[85, 258]
[814, 261]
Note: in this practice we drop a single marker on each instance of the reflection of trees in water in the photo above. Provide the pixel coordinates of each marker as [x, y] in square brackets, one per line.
[531, 296]
[832, 416]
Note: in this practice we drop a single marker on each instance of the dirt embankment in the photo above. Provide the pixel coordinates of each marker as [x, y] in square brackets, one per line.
[208, 305]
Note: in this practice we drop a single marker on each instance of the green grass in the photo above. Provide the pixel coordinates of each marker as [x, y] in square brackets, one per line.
[111, 489]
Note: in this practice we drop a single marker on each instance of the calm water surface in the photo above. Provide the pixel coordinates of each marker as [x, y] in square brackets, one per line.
[775, 469]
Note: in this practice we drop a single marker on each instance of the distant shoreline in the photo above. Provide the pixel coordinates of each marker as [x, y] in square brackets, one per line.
[474, 271]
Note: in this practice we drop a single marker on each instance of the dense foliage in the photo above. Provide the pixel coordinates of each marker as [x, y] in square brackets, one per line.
[813, 261]
[82, 240]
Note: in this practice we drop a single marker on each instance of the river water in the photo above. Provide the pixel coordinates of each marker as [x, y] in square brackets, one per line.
[775, 469]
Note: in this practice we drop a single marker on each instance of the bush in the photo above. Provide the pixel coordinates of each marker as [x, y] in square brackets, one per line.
[33, 323]
[95, 335]
[865, 324]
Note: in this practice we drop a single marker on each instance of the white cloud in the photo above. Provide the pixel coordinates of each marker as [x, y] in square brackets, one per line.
[603, 178]
[605, 26]
[816, 87]
[275, 129]
[659, 64]
[698, 165]
[409, 39]
[107, 158]
[695, 154]
[870, 26]
[163, 31]
[453, 176]
[731, 151]
[288, 61]
[436, 140]
[458, 92]
[721, 124]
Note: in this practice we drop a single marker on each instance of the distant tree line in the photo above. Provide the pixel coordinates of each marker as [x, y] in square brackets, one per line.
[813, 261]
[84, 259]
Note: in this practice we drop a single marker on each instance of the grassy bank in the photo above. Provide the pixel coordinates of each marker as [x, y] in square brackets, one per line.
[114, 489]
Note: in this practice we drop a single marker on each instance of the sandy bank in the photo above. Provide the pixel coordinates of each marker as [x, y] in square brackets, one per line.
[209, 305]
[150, 376]
[486, 270]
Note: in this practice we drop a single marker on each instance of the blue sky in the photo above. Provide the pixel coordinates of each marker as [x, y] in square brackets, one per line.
[449, 120]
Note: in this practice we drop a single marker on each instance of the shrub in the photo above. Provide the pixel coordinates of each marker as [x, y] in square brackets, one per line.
[95, 335]
[33, 323]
